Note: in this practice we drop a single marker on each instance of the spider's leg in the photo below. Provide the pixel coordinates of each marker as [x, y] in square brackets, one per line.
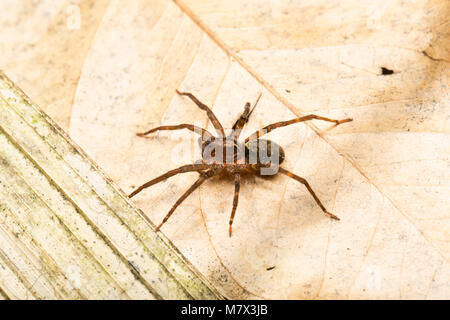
[197, 183]
[237, 187]
[168, 174]
[243, 119]
[303, 180]
[280, 124]
[204, 133]
[209, 112]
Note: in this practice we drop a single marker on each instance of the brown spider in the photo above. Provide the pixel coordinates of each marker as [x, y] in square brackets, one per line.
[225, 155]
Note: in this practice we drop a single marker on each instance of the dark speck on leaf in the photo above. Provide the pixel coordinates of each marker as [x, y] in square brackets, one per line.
[134, 267]
[386, 71]
[270, 268]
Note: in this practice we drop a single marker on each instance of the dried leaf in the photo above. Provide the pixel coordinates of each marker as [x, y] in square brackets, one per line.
[385, 174]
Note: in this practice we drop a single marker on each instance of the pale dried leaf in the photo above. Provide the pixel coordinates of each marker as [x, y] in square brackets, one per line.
[386, 175]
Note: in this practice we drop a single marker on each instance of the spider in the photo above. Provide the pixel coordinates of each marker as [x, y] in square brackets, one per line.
[225, 155]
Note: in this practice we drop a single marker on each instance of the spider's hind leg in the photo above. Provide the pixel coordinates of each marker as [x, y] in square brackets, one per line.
[311, 191]
[237, 187]
[200, 180]
[281, 124]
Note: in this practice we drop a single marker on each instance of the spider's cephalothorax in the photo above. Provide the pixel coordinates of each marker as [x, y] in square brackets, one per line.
[225, 154]
[222, 151]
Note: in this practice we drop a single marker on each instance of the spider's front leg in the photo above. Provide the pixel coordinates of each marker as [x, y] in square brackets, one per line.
[212, 117]
[206, 135]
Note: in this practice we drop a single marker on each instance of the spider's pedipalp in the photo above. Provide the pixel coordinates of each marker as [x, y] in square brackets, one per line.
[243, 119]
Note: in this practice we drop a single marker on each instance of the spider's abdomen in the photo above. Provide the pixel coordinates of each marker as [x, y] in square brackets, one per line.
[261, 151]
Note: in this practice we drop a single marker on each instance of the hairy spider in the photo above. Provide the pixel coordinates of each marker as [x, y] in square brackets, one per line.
[223, 154]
